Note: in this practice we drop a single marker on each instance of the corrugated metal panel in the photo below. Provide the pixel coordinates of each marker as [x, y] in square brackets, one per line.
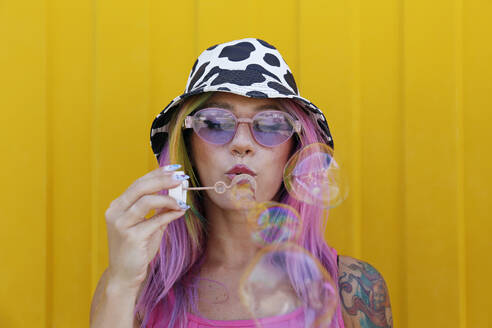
[405, 85]
[24, 209]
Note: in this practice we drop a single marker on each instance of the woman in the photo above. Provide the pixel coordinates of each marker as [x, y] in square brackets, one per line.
[239, 86]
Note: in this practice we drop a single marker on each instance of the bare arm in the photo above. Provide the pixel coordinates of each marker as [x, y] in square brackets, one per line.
[133, 242]
[112, 305]
[364, 295]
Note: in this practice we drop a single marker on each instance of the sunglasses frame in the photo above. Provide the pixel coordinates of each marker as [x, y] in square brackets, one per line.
[296, 125]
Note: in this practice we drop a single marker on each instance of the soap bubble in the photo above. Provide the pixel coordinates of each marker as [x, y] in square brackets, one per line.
[286, 280]
[243, 191]
[272, 222]
[312, 175]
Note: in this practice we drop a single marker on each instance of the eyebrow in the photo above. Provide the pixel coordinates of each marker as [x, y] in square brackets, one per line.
[229, 107]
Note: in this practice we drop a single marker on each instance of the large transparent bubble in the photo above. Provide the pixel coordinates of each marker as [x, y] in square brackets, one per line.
[287, 281]
[243, 191]
[272, 222]
[312, 175]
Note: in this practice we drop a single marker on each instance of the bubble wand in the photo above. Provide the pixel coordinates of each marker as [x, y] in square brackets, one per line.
[220, 187]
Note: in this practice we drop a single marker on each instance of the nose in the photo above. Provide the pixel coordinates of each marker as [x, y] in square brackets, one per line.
[243, 142]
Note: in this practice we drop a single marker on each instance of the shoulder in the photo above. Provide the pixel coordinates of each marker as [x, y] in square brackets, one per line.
[364, 295]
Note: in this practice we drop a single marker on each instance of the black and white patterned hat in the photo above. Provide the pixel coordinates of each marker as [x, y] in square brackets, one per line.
[247, 67]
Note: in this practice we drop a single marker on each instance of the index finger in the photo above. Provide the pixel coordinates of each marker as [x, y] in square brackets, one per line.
[153, 182]
[167, 169]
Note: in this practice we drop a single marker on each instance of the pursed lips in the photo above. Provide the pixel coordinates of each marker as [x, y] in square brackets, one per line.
[239, 169]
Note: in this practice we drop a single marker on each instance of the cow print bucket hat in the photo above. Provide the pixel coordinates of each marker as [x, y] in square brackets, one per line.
[247, 67]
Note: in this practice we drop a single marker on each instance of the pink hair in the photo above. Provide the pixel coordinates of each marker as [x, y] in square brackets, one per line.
[168, 292]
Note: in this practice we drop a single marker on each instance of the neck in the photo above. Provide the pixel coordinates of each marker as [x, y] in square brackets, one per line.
[229, 244]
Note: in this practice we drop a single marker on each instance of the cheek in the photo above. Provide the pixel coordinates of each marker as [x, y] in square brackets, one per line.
[199, 157]
[282, 155]
[273, 171]
[205, 158]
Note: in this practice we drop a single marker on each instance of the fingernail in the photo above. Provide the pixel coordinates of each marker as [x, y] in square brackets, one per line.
[183, 205]
[180, 177]
[171, 167]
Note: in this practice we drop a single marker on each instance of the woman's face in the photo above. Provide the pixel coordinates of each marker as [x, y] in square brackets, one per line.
[212, 162]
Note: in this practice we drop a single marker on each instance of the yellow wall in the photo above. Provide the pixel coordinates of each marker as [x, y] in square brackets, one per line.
[406, 87]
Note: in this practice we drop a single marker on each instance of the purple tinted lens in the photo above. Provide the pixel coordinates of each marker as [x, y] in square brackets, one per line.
[271, 128]
[214, 125]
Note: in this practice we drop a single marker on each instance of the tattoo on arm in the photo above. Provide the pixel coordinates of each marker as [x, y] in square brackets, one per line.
[364, 295]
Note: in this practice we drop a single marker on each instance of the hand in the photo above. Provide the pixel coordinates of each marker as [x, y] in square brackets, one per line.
[133, 240]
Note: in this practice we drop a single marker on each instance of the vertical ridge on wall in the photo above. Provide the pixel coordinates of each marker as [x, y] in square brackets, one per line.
[297, 12]
[432, 171]
[380, 137]
[23, 147]
[477, 115]
[196, 29]
[460, 149]
[122, 104]
[326, 81]
[149, 112]
[69, 111]
[356, 167]
[48, 30]
[404, 306]
[94, 150]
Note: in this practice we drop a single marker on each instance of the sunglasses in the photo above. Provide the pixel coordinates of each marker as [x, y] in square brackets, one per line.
[218, 126]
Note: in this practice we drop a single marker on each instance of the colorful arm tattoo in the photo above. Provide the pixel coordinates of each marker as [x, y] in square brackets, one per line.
[364, 295]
